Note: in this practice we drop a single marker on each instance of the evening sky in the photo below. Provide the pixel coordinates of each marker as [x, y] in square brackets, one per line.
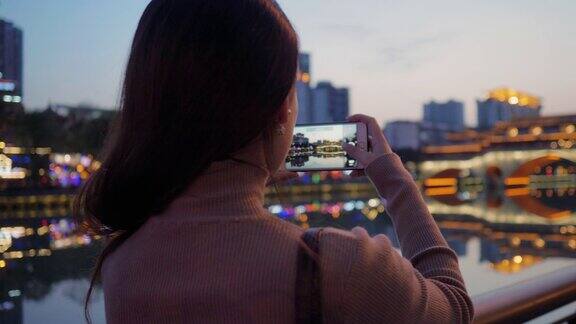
[394, 55]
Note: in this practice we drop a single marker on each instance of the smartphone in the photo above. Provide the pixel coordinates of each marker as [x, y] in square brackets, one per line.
[318, 147]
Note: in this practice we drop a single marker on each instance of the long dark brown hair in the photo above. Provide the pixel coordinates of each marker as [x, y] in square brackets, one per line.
[204, 79]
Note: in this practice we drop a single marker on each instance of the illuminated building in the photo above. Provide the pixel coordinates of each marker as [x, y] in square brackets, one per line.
[304, 89]
[531, 162]
[8, 93]
[7, 172]
[551, 132]
[506, 104]
[11, 55]
[330, 104]
[39, 168]
[10, 108]
[449, 114]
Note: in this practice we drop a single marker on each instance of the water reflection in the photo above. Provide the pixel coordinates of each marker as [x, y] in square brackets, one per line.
[508, 246]
[39, 254]
[45, 261]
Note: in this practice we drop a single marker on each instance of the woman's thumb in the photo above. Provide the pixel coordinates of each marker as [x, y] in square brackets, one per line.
[356, 152]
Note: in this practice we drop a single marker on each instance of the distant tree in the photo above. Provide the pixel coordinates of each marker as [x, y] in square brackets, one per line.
[71, 133]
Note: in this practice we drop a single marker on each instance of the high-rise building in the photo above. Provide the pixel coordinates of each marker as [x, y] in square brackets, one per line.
[506, 104]
[321, 104]
[330, 104]
[304, 89]
[450, 114]
[403, 135]
[341, 104]
[413, 135]
[11, 55]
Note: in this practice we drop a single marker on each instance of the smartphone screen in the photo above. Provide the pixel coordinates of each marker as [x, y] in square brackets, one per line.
[319, 147]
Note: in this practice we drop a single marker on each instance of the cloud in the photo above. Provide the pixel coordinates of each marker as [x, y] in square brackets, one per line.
[406, 53]
[409, 50]
[356, 31]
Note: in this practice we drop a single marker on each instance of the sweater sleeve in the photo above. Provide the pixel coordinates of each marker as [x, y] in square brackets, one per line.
[424, 286]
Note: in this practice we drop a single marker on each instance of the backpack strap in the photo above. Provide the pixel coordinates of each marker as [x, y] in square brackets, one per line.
[308, 284]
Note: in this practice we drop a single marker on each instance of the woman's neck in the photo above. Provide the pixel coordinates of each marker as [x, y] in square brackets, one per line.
[233, 187]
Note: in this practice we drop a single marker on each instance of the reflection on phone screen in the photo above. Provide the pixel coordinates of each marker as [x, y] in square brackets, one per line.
[319, 147]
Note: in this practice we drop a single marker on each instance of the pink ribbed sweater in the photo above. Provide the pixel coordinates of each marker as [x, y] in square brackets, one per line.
[217, 256]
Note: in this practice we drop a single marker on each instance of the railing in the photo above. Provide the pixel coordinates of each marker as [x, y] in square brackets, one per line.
[528, 299]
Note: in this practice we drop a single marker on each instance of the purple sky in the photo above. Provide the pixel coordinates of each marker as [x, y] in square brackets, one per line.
[394, 55]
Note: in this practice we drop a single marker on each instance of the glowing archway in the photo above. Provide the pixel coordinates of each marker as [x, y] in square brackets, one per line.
[527, 169]
[525, 190]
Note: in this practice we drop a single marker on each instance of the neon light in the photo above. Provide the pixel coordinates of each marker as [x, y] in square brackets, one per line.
[440, 182]
[442, 191]
[517, 192]
[517, 181]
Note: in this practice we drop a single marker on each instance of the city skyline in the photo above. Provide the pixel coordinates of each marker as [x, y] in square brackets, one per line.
[322, 102]
[393, 56]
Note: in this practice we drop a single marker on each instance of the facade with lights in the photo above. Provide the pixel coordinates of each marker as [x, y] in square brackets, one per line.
[531, 162]
[551, 132]
[505, 104]
[8, 92]
[10, 108]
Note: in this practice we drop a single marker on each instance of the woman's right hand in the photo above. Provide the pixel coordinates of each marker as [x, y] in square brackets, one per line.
[376, 141]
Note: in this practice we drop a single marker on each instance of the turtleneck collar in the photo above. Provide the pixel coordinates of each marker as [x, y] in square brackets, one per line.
[227, 188]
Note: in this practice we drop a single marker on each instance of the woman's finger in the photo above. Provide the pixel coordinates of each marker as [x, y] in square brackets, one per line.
[378, 143]
[359, 118]
[371, 123]
[357, 153]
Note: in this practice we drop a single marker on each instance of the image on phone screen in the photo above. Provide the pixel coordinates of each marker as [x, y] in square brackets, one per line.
[319, 147]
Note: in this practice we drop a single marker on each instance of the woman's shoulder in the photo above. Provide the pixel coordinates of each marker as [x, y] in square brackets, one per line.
[357, 239]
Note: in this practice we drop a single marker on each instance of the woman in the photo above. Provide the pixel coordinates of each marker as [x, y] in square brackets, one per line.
[207, 117]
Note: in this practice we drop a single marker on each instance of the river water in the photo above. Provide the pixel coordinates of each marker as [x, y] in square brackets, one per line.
[45, 262]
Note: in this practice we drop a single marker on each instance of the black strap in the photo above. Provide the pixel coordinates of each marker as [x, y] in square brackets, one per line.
[308, 284]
